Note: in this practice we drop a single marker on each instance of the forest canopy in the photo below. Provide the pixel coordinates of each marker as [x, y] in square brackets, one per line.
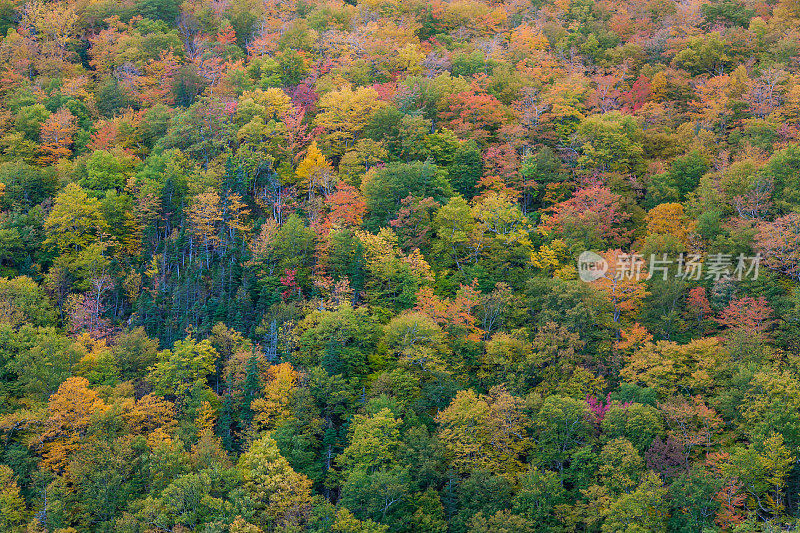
[413, 267]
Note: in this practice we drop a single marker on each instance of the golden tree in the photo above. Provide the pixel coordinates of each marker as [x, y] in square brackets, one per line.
[205, 214]
[69, 413]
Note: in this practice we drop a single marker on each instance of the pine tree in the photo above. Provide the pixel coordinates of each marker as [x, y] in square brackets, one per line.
[226, 416]
[252, 387]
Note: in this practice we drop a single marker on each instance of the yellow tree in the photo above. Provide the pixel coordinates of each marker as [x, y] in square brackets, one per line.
[374, 441]
[343, 114]
[75, 220]
[240, 525]
[485, 432]
[236, 212]
[54, 25]
[669, 367]
[69, 413]
[385, 260]
[205, 213]
[501, 228]
[273, 406]
[12, 504]
[273, 102]
[669, 219]
[622, 284]
[151, 416]
[346, 522]
[410, 58]
[280, 495]
[315, 173]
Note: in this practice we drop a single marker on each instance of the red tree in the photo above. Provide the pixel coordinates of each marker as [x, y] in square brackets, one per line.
[347, 205]
[591, 212]
[698, 307]
[474, 114]
[751, 316]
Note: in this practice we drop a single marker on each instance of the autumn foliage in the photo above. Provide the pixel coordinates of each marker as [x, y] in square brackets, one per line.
[374, 266]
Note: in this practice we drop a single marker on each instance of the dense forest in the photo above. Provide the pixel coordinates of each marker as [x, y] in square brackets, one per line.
[424, 266]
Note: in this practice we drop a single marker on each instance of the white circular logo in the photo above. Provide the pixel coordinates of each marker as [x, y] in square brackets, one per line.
[591, 266]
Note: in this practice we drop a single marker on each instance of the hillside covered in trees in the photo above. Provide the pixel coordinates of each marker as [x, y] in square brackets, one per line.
[414, 266]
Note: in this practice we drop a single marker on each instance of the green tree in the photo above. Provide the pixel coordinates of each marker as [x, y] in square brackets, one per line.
[611, 142]
[75, 221]
[13, 511]
[26, 185]
[429, 516]
[638, 423]
[455, 228]
[485, 433]
[341, 341]
[418, 343]
[373, 442]
[187, 501]
[539, 494]
[479, 495]
[620, 466]
[184, 367]
[762, 468]
[106, 170]
[134, 353]
[23, 301]
[770, 405]
[384, 189]
[29, 120]
[682, 178]
[705, 54]
[42, 359]
[642, 510]
[281, 496]
[560, 427]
